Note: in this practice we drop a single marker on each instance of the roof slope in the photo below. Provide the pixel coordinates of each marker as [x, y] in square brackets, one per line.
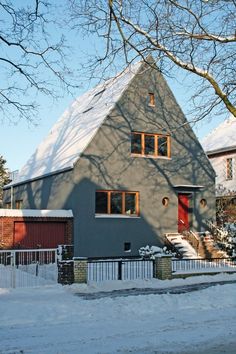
[76, 127]
[221, 138]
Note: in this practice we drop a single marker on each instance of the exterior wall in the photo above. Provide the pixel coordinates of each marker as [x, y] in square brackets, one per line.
[107, 164]
[218, 161]
[7, 229]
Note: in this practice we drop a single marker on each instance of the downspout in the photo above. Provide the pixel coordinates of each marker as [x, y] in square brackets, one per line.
[12, 191]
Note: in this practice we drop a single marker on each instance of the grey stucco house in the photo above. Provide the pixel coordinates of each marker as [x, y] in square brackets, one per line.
[124, 159]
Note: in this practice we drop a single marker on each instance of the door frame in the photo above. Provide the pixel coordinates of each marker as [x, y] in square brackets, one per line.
[186, 209]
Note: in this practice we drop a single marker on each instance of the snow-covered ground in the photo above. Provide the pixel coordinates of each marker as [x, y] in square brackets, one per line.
[54, 319]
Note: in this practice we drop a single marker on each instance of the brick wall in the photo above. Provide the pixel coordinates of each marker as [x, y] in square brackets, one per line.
[7, 228]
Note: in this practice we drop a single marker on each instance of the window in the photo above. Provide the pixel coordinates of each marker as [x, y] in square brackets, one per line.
[19, 204]
[151, 145]
[151, 99]
[229, 168]
[136, 143]
[165, 201]
[203, 203]
[117, 202]
[127, 247]
[7, 205]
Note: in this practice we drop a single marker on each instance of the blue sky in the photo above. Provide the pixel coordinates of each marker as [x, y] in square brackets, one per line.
[19, 141]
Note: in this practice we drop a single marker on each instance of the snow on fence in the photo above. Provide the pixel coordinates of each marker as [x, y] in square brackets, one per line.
[119, 269]
[203, 265]
[23, 268]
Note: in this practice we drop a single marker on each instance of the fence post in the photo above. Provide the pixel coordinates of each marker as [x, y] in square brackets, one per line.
[13, 268]
[119, 270]
[80, 269]
[163, 267]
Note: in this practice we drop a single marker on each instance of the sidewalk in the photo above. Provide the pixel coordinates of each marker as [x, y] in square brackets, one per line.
[147, 291]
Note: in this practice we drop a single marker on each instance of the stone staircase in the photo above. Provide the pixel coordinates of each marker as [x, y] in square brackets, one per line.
[209, 249]
[181, 245]
[191, 245]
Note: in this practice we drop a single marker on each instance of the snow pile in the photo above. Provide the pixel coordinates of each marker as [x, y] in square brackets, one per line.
[36, 213]
[54, 320]
[151, 252]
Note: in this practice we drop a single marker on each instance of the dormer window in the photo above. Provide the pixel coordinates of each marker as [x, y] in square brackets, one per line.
[150, 145]
[151, 99]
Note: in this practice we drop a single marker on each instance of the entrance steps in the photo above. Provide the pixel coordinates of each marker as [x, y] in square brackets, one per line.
[192, 245]
[182, 245]
[208, 248]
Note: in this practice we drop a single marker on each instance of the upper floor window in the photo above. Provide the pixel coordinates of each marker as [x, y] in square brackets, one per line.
[117, 202]
[19, 204]
[7, 205]
[151, 145]
[229, 168]
[151, 99]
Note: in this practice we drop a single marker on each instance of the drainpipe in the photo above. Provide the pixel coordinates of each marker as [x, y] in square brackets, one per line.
[12, 190]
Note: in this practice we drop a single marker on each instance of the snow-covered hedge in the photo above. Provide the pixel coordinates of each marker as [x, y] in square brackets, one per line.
[153, 251]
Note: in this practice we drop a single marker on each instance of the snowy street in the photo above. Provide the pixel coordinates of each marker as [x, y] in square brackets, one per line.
[54, 320]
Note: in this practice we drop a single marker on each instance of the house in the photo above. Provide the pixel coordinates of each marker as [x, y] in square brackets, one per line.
[220, 147]
[124, 159]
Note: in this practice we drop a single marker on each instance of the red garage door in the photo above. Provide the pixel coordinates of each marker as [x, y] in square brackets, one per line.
[39, 234]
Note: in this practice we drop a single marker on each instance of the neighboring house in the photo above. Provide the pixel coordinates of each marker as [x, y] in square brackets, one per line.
[124, 159]
[220, 147]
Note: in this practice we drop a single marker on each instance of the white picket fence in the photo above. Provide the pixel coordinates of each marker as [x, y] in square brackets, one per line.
[25, 268]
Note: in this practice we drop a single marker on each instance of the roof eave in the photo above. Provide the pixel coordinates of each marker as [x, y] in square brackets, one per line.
[38, 177]
[220, 150]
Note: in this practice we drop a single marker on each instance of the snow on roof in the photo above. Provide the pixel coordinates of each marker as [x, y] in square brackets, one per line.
[221, 138]
[36, 213]
[76, 127]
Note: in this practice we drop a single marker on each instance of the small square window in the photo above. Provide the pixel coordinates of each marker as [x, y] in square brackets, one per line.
[151, 99]
[7, 205]
[127, 246]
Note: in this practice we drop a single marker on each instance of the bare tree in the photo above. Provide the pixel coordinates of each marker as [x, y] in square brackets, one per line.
[29, 62]
[195, 36]
[4, 177]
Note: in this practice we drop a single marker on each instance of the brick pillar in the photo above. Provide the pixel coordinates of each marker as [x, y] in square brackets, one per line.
[65, 272]
[80, 269]
[163, 267]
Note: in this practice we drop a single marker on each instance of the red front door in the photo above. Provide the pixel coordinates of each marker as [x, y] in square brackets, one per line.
[183, 212]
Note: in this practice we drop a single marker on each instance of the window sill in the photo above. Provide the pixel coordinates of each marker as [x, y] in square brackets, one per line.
[116, 216]
[151, 157]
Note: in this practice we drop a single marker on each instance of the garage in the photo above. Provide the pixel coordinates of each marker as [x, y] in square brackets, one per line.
[31, 229]
[39, 234]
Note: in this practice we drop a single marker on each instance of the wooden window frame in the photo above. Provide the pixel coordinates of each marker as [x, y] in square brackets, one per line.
[156, 136]
[229, 168]
[151, 99]
[19, 204]
[123, 193]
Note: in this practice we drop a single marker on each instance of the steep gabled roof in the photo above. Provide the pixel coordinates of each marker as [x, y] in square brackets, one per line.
[76, 127]
[222, 138]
